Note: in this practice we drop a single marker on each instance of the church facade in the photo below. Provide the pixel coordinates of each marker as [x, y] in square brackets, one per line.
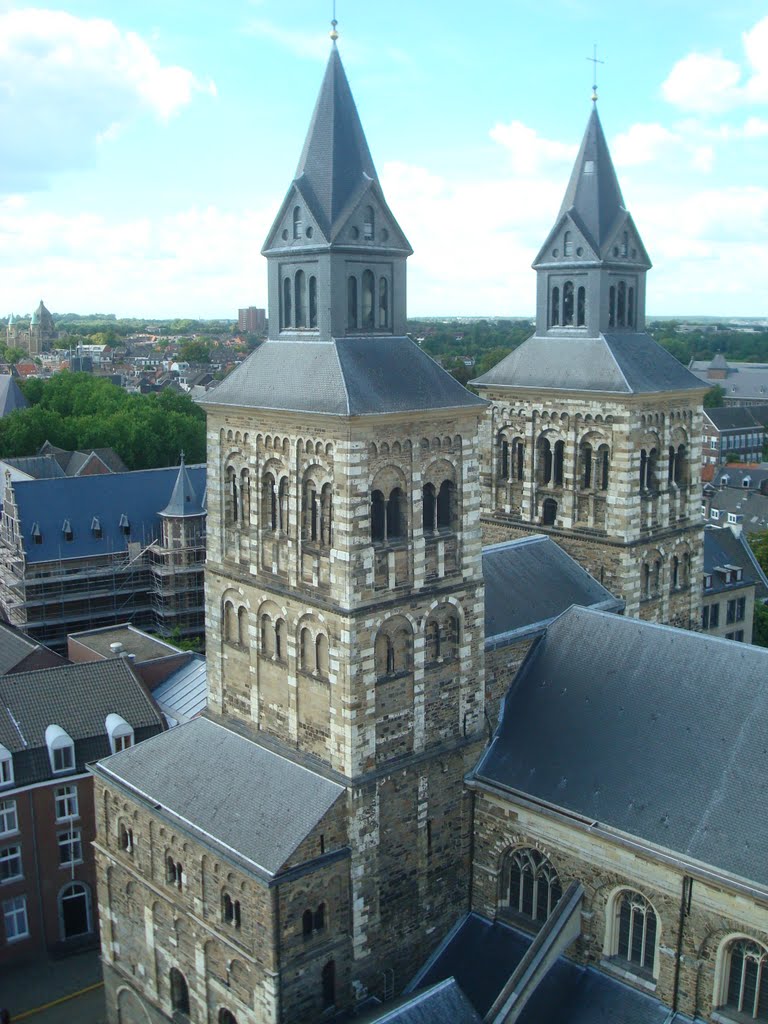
[339, 819]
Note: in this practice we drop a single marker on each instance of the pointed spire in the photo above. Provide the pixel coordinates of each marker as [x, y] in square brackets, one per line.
[335, 163]
[184, 500]
[593, 197]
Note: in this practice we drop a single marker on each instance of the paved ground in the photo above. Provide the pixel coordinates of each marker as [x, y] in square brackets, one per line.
[72, 985]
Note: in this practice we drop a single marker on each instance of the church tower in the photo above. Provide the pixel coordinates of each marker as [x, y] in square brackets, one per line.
[593, 432]
[307, 843]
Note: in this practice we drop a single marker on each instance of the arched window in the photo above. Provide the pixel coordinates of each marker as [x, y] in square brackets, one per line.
[568, 304]
[319, 921]
[397, 519]
[313, 301]
[567, 244]
[643, 480]
[326, 515]
[503, 458]
[368, 224]
[549, 512]
[635, 932]
[674, 580]
[74, 910]
[268, 502]
[681, 466]
[351, 302]
[300, 302]
[585, 453]
[226, 1016]
[612, 306]
[554, 313]
[630, 307]
[433, 643]
[179, 991]
[297, 222]
[671, 465]
[329, 984]
[621, 304]
[603, 466]
[267, 636]
[746, 990]
[306, 651]
[281, 640]
[383, 303]
[558, 463]
[230, 622]
[242, 627]
[378, 517]
[428, 508]
[286, 303]
[534, 887]
[245, 497]
[581, 306]
[230, 910]
[174, 873]
[321, 655]
[231, 505]
[646, 580]
[544, 453]
[518, 458]
[282, 505]
[651, 480]
[445, 505]
[367, 322]
[306, 924]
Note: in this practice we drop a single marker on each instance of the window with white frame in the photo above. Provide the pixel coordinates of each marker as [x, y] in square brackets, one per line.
[61, 749]
[635, 932]
[15, 918]
[66, 803]
[745, 986]
[6, 767]
[10, 864]
[9, 821]
[120, 733]
[70, 847]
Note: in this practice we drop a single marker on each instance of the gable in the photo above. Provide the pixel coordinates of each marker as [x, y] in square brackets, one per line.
[368, 221]
[295, 232]
[624, 242]
[564, 242]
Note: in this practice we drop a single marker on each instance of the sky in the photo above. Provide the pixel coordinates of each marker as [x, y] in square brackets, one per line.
[145, 147]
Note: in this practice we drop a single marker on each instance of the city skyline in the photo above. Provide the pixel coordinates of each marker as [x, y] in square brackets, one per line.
[145, 155]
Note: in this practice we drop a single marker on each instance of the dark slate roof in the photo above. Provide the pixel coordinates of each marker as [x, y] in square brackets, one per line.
[227, 791]
[11, 397]
[14, 647]
[738, 417]
[443, 1003]
[335, 161]
[77, 698]
[625, 363]
[745, 381]
[139, 496]
[342, 377]
[73, 462]
[481, 956]
[609, 717]
[594, 200]
[723, 547]
[529, 582]
[184, 500]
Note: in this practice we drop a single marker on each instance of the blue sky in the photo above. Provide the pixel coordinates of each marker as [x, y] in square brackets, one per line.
[147, 146]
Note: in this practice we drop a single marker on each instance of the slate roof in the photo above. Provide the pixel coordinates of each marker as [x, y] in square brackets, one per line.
[744, 381]
[11, 397]
[480, 955]
[529, 582]
[342, 377]
[747, 502]
[608, 717]
[77, 698]
[73, 462]
[227, 791]
[738, 417]
[184, 500]
[722, 547]
[624, 363]
[443, 1003]
[14, 647]
[106, 497]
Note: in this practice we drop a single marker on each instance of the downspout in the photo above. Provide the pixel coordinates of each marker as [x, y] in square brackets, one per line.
[278, 953]
[471, 849]
[685, 909]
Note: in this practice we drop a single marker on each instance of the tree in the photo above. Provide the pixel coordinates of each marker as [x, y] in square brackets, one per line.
[192, 351]
[714, 398]
[760, 625]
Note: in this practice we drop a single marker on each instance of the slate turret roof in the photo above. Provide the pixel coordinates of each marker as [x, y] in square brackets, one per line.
[184, 500]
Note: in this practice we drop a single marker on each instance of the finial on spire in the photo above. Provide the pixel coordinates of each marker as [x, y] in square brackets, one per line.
[333, 33]
[593, 59]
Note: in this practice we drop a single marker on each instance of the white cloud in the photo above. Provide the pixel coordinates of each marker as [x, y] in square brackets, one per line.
[313, 45]
[528, 151]
[641, 144]
[67, 83]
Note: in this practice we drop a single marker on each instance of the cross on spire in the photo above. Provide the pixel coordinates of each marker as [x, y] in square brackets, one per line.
[594, 61]
[333, 33]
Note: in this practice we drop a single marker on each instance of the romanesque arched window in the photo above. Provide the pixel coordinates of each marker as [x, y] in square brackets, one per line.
[603, 466]
[558, 464]
[681, 466]
[267, 636]
[287, 305]
[581, 306]
[674, 576]
[351, 302]
[300, 298]
[612, 306]
[635, 929]
[630, 307]
[242, 627]
[544, 460]
[322, 663]
[651, 470]
[329, 984]
[568, 304]
[281, 640]
[518, 458]
[245, 497]
[446, 504]
[367, 303]
[393, 649]
[745, 988]
[230, 622]
[306, 651]
[533, 885]
[643, 477]
[585, 465]
[231, 501]
[230, 910]
[554, 308]
[428, 508]
[326, 515]
[397, 515]
[313, 301]
[621, 304]
[378, 517]
[226, 1016]
[268, 502]
[383, 303]
[503, 458]
[549, 512]
[179, 991]
[282, 505]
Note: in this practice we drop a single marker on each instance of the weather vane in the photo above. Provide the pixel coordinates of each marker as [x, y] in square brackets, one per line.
[593, 59]
[333, 33]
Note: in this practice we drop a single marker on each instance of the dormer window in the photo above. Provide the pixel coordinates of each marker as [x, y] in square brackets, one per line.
[708, 581]
[96, 528]
[6, 766]
[37, 536]
[125, 526]
[297, 222]
[746, 482]
[66, 529]
[120, 733]
[589, 167]
[61, 749]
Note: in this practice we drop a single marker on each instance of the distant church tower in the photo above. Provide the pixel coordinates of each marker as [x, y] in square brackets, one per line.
[593, 433]
[308, 843]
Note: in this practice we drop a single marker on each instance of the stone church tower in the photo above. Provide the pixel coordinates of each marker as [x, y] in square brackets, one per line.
[593, 433]
[308, 842]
